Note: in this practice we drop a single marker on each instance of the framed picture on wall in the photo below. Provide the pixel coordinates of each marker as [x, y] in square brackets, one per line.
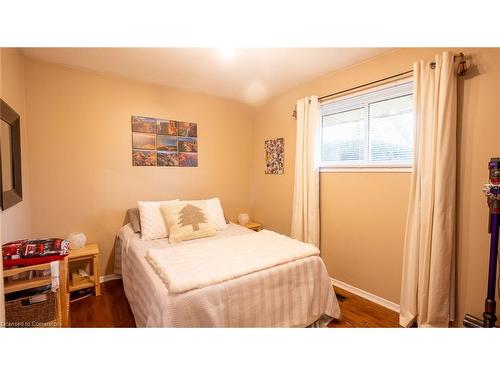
[274, 156]
[168, 159]
[166, 143]
[188, 159]
[143, 124]
[142, 158]
[167, 127]
[187, 129]
[144, 141]
[188, 144]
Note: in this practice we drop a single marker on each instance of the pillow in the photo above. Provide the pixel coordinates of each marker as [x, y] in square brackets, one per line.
[215, 212]
[187, 220]
[153, 225]
[135, 221]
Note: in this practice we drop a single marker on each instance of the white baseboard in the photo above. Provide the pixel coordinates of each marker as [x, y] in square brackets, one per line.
[113, 276]
[366, 295]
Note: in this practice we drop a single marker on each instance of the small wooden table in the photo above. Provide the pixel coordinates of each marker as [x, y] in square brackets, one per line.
[254, 226]
[89, 252]
[62, 298]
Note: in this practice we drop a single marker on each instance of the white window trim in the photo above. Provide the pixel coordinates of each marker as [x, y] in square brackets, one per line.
[371, 168]
[366, 169]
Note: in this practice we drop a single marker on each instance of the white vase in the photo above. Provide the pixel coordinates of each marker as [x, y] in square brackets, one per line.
[243, 219]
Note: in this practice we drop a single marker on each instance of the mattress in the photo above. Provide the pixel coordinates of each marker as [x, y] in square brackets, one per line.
[294, 294]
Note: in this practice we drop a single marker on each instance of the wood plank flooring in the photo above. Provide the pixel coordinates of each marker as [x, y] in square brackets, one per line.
[358, 312]
[111, 309]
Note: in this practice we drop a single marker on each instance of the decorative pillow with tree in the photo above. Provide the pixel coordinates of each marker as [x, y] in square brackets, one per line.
[187, 220]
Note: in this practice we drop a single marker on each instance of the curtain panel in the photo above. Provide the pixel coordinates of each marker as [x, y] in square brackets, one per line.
[428, 281]
[305, 212]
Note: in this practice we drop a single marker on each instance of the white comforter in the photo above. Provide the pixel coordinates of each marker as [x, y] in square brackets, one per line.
[202, 264]
[293, 294]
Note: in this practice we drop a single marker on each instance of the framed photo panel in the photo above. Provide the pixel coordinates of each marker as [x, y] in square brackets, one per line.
[274, 156]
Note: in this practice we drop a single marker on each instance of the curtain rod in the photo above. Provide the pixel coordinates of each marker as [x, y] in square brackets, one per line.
[461, 70]
[364, 85]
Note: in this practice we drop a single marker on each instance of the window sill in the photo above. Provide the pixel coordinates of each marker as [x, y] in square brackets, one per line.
[365, 169]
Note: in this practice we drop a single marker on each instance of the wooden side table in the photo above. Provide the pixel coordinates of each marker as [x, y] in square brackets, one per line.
[62, 299]
[254, 226]
[89, 253]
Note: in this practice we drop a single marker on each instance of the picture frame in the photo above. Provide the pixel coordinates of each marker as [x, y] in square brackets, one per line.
[274, 150]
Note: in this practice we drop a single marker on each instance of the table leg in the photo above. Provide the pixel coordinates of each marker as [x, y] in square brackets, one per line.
[97, 285]
[63, 291]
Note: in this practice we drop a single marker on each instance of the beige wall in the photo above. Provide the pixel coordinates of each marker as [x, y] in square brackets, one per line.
[362, 233]
[16, 222]
[80, 151]
[81, 178]
[369, 256]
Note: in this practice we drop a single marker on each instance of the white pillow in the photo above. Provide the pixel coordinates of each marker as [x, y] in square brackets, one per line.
[153, 224]
[187, 220]
[214, 211]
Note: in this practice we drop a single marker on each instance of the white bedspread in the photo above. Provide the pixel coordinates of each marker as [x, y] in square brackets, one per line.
[199, 265]
[293, 294]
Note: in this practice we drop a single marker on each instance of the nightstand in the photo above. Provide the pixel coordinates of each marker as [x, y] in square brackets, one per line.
[254, 226]
[87, 259]
[17, 312]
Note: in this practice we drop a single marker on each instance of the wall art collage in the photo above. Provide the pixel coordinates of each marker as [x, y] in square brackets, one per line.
[164, 143]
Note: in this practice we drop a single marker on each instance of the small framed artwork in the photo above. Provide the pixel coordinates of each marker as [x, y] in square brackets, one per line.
[188, 144]
[144, 141]
[166, 143]
[274, 156]
[143, 124]
[168, 159]
[187, 129]
[167, 127]
[188, 159]
[142, 158]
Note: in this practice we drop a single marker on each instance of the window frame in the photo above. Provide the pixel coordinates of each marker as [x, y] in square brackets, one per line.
[364, 167]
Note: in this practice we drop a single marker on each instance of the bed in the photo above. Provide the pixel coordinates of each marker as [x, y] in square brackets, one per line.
[294, 294]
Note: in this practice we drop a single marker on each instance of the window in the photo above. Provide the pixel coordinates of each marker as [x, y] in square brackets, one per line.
[374, 129]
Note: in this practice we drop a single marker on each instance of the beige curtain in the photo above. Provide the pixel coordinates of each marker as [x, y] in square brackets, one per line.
[427, 291]
[305, 213]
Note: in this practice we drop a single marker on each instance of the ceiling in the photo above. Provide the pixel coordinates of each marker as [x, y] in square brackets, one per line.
[249, 75]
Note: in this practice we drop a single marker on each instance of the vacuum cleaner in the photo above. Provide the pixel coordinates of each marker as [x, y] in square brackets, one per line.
[492, 192]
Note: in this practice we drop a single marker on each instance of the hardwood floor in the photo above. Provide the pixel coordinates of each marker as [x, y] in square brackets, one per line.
[358, 312]
[111, 309]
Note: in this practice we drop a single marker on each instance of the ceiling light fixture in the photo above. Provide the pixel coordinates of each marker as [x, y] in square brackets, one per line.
[226, 54]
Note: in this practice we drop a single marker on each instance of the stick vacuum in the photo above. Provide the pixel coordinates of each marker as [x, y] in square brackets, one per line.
[492, 192]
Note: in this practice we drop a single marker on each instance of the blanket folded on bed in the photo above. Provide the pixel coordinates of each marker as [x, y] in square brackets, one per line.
[201, 264]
